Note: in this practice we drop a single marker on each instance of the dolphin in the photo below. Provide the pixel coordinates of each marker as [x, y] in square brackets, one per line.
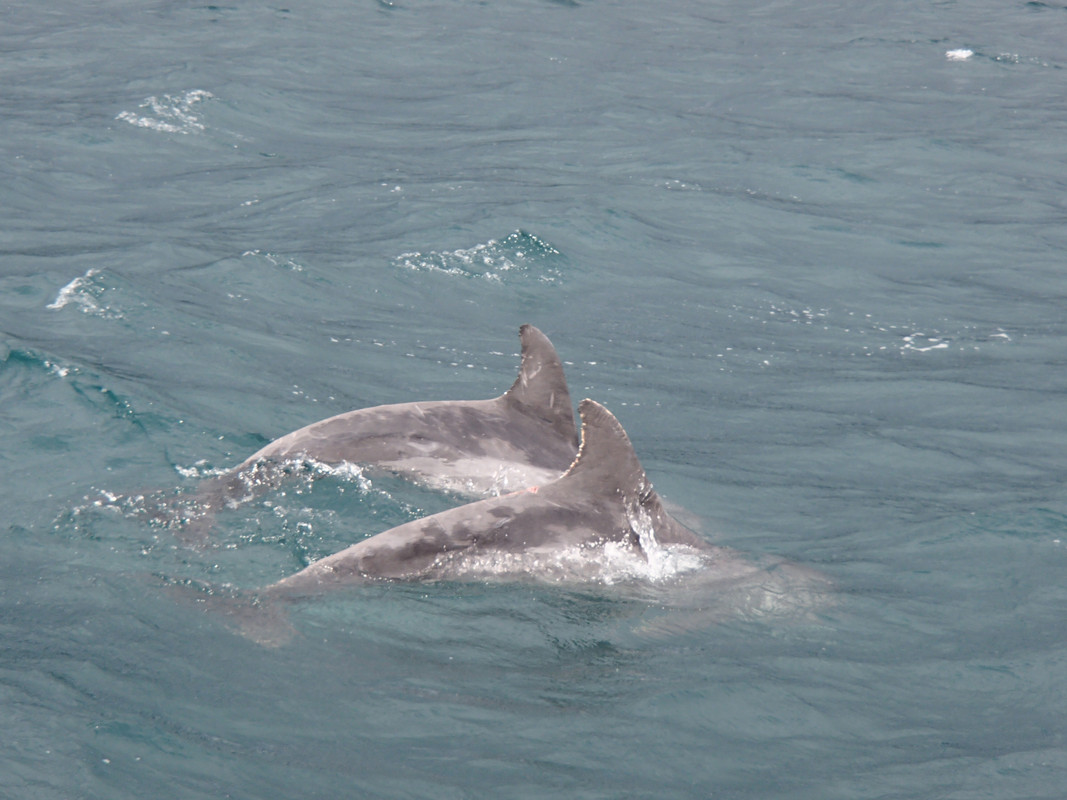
[603, 498]
[476, 448]
[579, 528]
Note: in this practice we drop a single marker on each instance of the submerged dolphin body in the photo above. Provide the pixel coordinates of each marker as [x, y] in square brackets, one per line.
[601, 513]
[524, 437]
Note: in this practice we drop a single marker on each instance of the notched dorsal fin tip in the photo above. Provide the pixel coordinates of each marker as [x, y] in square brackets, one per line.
[541, 387]
[607, 455]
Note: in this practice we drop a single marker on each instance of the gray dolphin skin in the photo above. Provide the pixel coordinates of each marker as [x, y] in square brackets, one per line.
[604, 497]
[478, 448]
[591, 525]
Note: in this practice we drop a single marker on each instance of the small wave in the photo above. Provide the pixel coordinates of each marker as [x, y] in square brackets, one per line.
[28, 358]
[72, 292]
[518, 255]
[85, 292]
[170, 113]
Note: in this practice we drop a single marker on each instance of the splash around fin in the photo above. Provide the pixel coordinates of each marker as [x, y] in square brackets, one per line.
[607, 466]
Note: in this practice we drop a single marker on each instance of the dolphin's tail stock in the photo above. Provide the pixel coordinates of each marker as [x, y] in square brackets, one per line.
[191, 514]
[256, 617]
[184, 514]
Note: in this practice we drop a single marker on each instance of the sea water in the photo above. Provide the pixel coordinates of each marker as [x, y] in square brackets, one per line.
[811, 255]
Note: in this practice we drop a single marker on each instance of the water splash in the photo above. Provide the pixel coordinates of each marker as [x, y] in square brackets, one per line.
[661, 562]
[200, 469]
[604, 562]
[191, 515]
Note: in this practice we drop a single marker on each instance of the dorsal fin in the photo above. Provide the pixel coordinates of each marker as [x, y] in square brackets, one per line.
[541, 388]
[606, 455]
[607, 468]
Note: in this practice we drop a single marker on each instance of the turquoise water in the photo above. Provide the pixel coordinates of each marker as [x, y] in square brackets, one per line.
[811, 255]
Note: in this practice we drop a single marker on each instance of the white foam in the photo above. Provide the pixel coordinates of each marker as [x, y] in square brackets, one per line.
[200, 470]
[86, 292]
[169, 113]
[345, 471]
[58, 370]
[604, 562]
[922, 343]
[74, 292]
[962, 54]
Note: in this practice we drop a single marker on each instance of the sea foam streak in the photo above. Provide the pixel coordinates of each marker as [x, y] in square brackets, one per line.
[519, 254]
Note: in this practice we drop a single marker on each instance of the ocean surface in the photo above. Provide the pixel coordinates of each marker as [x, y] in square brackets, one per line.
[812, 255]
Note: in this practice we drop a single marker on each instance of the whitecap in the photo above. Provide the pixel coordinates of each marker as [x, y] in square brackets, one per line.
[74, 292]
[170, 113]
[87, 293]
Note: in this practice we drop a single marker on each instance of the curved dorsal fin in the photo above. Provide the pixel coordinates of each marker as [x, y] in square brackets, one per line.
[607, 469]
[607, 457]
[541, 388]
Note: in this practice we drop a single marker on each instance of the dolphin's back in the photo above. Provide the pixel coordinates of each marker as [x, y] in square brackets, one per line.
[530, 424]
[604, 497]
